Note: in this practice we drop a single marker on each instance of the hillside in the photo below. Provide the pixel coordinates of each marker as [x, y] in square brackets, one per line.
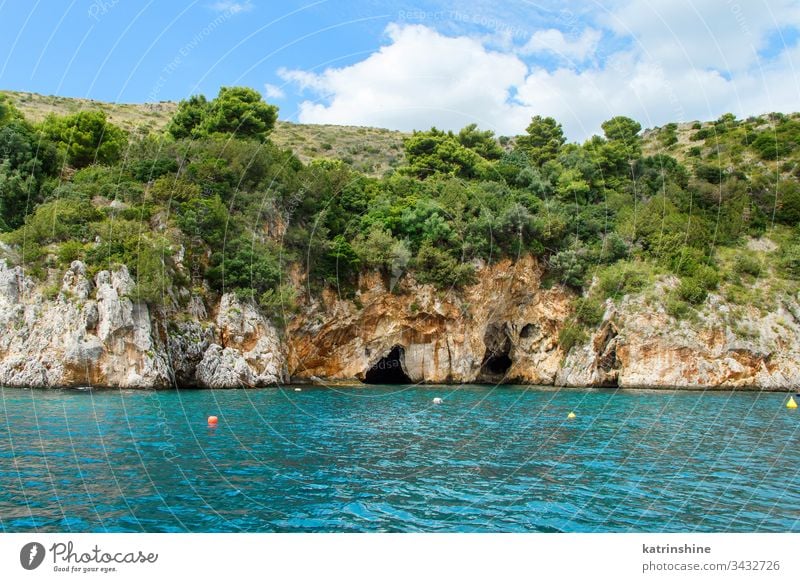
[209, 254]
[366, 149]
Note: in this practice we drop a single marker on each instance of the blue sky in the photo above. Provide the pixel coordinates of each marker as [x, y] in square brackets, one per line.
[409, 65]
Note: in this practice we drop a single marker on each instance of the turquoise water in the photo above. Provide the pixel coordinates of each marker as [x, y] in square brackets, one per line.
[384, 458]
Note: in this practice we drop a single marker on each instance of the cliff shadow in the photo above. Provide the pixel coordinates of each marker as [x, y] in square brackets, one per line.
[390, 369]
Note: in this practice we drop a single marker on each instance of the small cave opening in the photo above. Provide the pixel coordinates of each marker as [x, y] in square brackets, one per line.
[390, 369]
[497, 364]
[497, 359]
[528, 330]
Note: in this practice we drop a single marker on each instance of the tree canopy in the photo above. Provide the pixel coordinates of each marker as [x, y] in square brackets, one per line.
[239, 111]
[85, 138]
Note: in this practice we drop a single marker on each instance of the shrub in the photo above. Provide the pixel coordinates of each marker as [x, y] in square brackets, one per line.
[279, 302]
[246, 266]
[623, 278]
[570, 335]
[747, 264]
[152, 269]
[69, 251]
[206, 218]
[677, 308]
[152, 169]
[589, 311]
[168, 190]
[378, 249]
[570, 267]
[57, 221]
[439, 268]
[695, 289]
[691, 290]
[790, 261]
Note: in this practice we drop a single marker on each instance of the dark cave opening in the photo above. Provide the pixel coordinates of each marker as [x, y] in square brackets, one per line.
[497, 358]
[389, 369]
[497, 365]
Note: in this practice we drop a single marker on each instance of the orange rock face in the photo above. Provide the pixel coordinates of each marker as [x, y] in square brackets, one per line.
[503, 328]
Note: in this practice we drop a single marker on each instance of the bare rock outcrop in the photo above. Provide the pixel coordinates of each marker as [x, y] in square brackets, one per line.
[248, 351]
[93, 333]
[638, 345]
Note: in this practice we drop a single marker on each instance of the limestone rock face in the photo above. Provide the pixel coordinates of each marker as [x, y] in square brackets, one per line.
[93, 333]
[249, 352]
[638, 345]
[73, 340]
[503, 328]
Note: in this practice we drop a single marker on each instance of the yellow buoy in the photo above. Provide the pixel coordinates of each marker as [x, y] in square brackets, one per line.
[571, 415]
[791, 403]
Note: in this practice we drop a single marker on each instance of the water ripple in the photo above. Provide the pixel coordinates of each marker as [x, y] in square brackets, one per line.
[384, 459]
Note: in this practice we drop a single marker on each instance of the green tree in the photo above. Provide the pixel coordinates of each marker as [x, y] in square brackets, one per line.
[206, 218]
[624, 131]
[246, 266]
[7, 111]
[25, 161]
[788, 206]
[482, 143]
[189, 117]
[543, 140]
[85, 138]
[378, 249]
[438, 152]
[239, 111]
[439, 268]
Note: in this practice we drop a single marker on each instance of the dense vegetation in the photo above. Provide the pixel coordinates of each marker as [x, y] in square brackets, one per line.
[210, 204]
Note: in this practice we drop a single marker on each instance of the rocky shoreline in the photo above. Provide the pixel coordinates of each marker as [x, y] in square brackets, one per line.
[89, 331]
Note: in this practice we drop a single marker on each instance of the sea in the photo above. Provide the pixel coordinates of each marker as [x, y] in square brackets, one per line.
[386, 458]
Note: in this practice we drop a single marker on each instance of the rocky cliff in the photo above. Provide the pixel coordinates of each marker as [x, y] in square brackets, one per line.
[639, 345]
[504, 328]
[93, 333]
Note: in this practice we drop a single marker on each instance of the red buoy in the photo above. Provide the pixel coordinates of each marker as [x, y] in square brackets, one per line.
[212, 421]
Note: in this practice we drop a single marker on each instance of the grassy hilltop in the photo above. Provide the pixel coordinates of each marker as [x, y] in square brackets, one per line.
[367, 149]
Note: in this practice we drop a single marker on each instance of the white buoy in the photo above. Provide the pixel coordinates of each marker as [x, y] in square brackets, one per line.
[298, 390]
[437, 400]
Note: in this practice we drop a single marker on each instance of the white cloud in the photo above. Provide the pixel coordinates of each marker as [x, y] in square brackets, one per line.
[422, 78]
[232, 7]
[553, 41]
[273, 91]
[581, 101]
[702, 33]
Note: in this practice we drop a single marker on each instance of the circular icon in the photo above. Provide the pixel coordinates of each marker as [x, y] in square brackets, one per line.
[31, 555]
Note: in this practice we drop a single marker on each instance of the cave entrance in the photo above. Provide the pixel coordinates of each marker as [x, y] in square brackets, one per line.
[497, 364]
[390, 369]
[497, 359]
